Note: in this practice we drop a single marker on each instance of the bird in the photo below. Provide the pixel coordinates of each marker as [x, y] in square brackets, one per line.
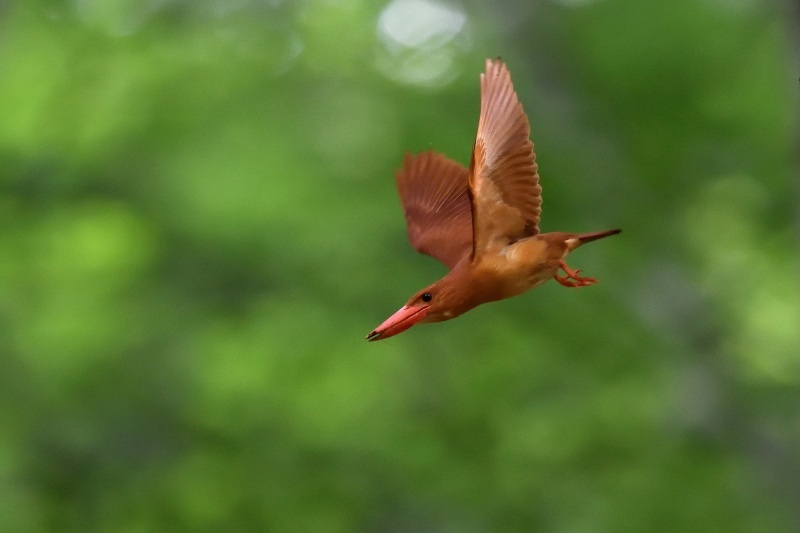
[482, 222]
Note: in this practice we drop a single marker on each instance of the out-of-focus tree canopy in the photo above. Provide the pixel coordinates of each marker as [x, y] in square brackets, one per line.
[199, 224]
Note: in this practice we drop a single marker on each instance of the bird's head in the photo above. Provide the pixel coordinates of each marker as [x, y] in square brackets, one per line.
[445, 299]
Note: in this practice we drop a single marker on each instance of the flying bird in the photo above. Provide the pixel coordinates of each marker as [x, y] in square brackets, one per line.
[482, 222]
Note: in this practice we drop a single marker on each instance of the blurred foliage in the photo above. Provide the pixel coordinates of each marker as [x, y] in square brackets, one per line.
[198, 224]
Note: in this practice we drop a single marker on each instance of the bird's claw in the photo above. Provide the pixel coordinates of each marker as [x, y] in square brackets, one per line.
[573, 279]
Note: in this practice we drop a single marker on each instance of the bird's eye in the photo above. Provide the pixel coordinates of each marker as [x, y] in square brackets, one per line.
[427, 297]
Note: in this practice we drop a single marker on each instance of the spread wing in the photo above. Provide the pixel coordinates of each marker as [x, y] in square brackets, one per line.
[503, 181]
[433, 191]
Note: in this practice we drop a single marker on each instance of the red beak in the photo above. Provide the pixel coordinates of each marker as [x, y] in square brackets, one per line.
[403, 319]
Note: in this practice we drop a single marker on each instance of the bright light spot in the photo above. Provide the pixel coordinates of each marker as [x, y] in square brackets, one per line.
[422, 39]
[418, 23]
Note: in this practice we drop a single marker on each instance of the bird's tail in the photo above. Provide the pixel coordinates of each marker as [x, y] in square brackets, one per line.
[583, 238]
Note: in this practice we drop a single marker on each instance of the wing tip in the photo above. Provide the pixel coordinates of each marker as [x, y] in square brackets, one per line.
[496, 65]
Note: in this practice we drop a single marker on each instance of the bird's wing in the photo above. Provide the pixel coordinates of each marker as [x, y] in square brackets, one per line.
[433, 191]
[503, 180]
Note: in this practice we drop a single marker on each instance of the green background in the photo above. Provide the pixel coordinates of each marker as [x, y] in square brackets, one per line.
[199, 224]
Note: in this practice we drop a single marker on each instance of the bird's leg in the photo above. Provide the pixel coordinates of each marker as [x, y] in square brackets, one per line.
[572, 279]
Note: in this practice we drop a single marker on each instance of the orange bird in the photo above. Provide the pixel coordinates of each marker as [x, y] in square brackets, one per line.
[483, 223]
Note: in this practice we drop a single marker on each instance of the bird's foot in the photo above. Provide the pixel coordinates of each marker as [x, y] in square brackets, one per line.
[572, 279]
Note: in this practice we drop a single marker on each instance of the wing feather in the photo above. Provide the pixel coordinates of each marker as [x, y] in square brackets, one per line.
[433, 191]
[503, 179]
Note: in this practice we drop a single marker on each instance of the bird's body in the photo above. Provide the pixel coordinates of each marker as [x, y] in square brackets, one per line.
[515, 269]
[482, 222]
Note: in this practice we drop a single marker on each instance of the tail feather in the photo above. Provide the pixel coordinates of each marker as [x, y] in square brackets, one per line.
[589, 237]
[583, 238]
